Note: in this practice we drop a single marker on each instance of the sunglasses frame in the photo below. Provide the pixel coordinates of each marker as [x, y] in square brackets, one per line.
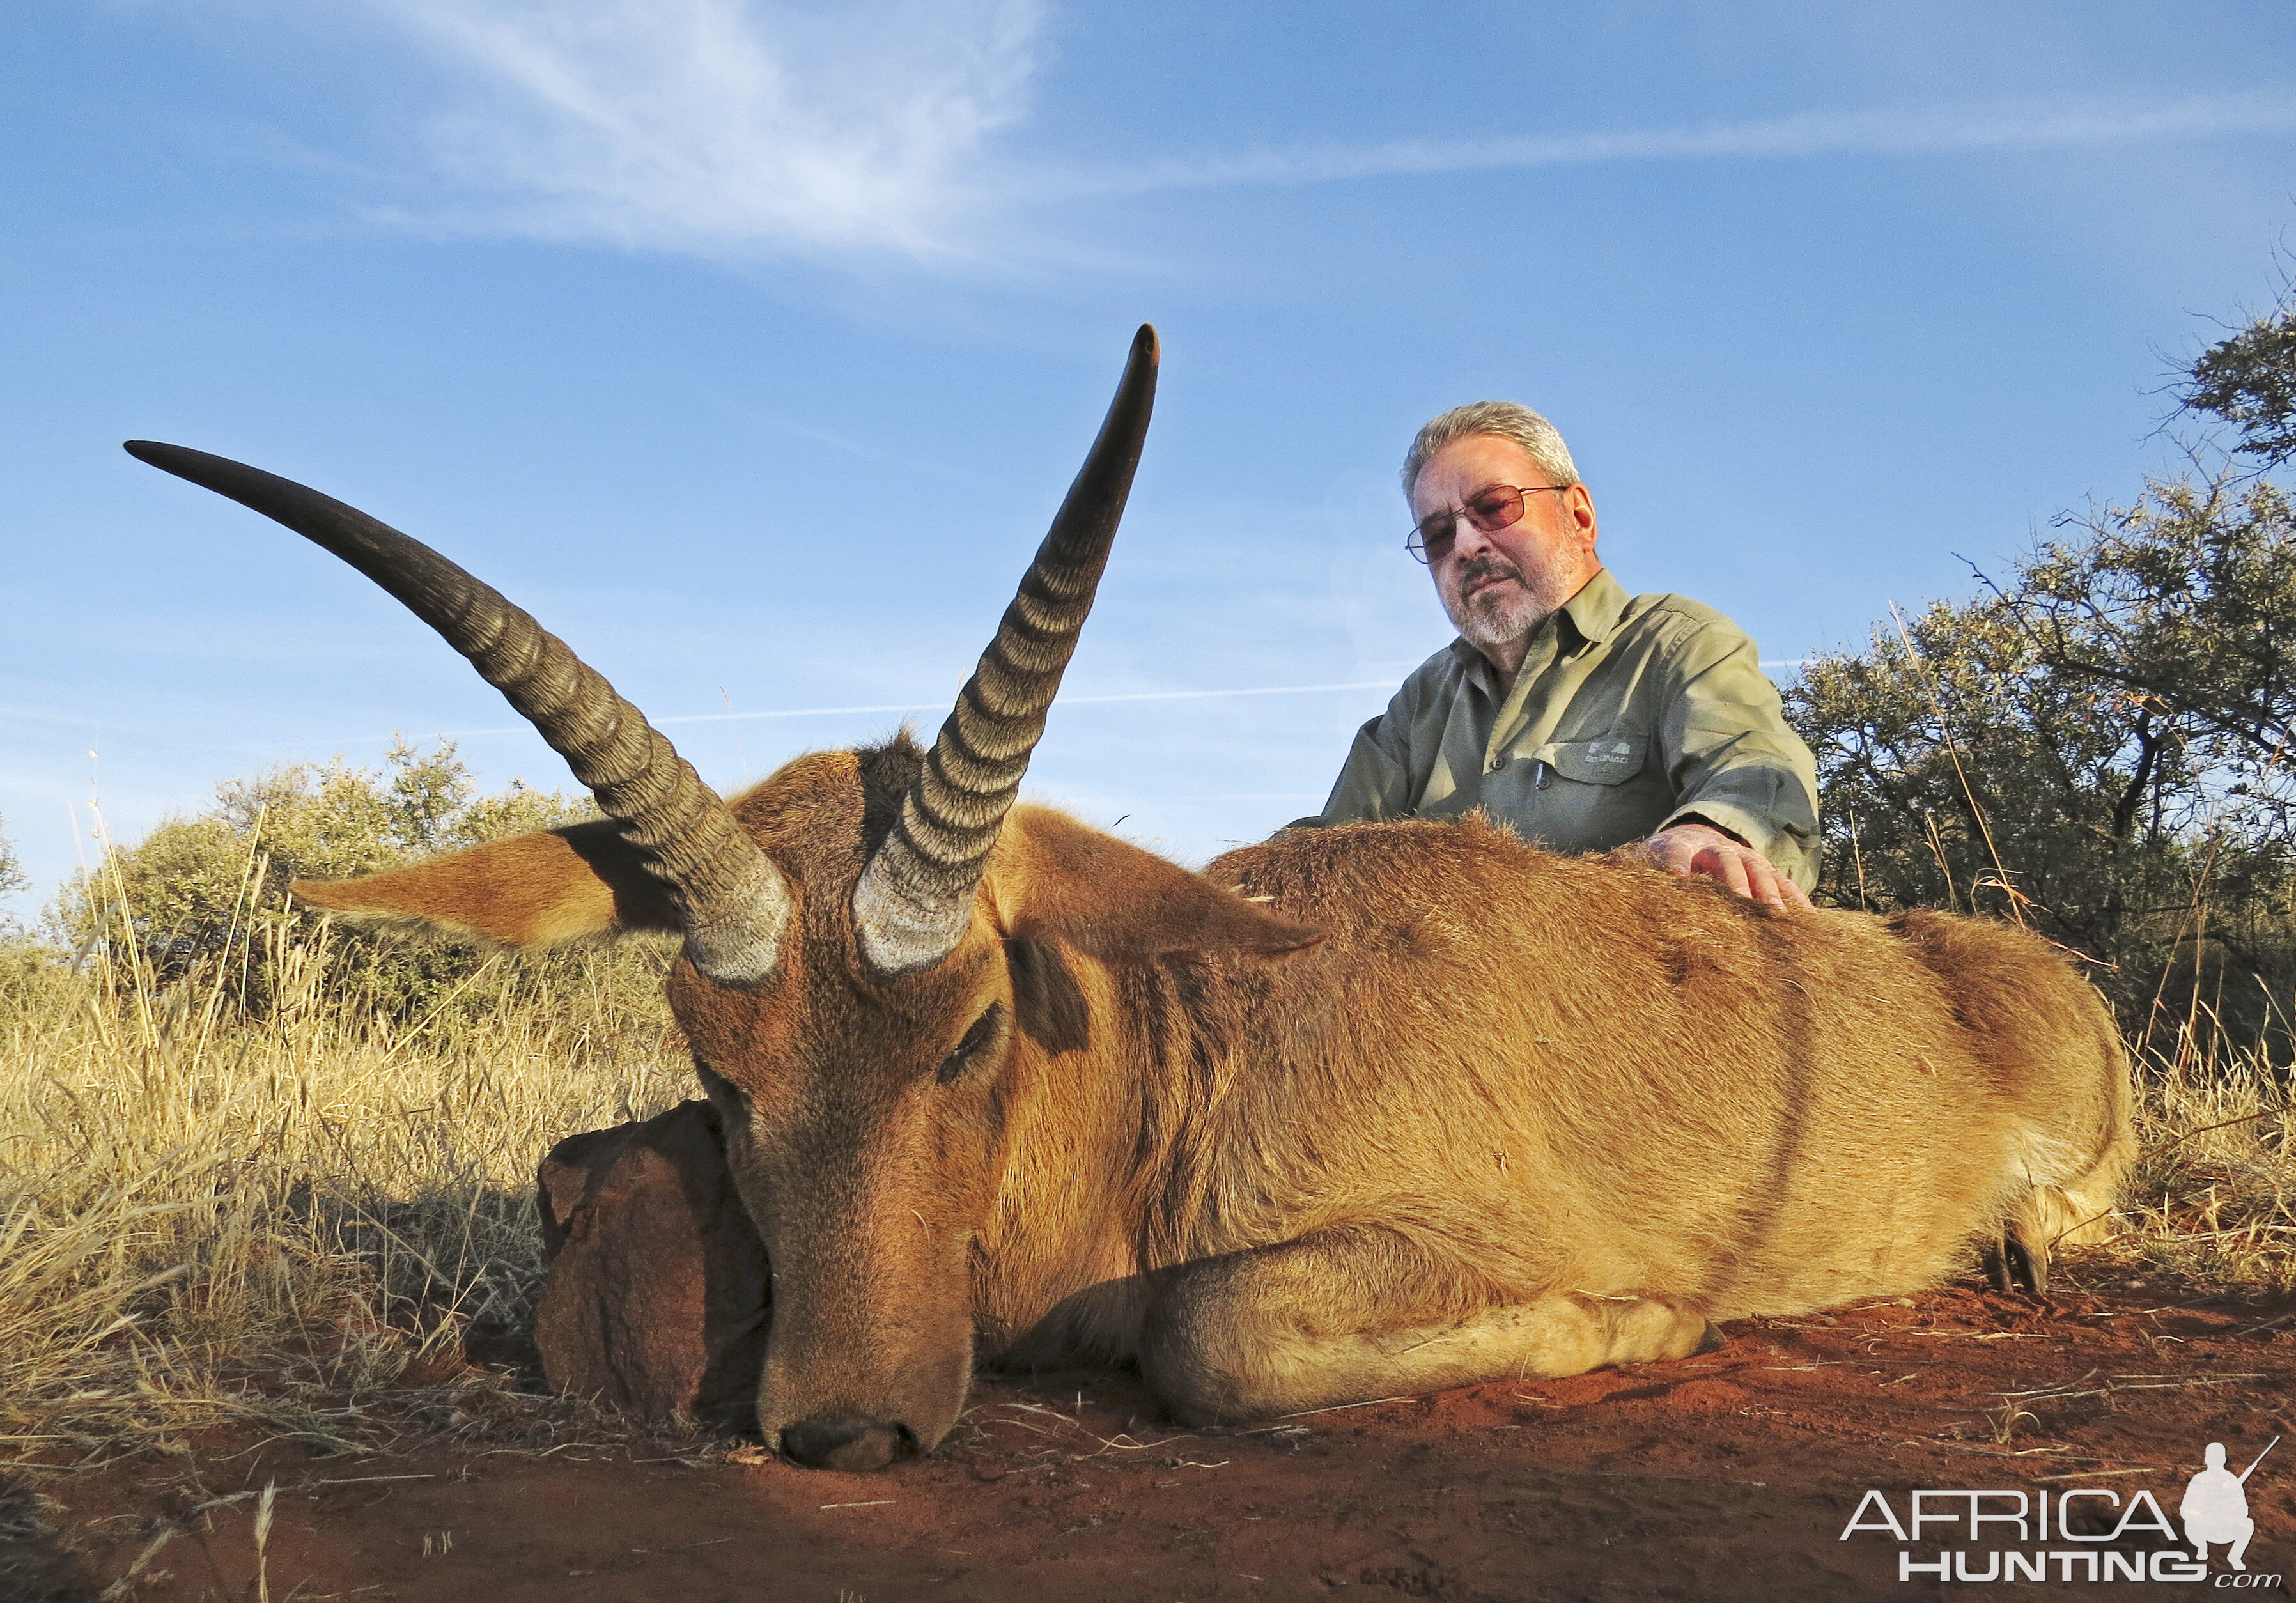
[1427, 548]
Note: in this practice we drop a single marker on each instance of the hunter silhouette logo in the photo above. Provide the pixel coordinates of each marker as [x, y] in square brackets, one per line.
[2080, 1533]
[2215, 1506]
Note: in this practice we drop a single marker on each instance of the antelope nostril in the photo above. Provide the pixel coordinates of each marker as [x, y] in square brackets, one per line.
[849, 1441]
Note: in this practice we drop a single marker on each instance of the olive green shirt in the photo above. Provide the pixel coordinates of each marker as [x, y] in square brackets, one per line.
[1625, 716]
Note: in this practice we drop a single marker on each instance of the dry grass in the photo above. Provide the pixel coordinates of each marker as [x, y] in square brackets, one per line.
[288, 1223]
[2213, 1197]
[205, 1218]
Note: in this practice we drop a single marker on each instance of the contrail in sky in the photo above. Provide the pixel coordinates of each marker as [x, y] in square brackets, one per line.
[935, 705]
[943, 701]
[732, 126]
[1949, 130]
[918, 707]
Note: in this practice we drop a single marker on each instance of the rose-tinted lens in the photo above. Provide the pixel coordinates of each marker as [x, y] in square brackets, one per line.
[1495, 510]
[1434, 536]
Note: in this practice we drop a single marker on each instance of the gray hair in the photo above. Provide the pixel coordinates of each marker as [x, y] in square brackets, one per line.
[1504, 419]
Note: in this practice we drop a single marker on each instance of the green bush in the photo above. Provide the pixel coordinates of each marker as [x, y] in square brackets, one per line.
[2099, 744]
[11, 878]
[2250, 382]
[204, 899]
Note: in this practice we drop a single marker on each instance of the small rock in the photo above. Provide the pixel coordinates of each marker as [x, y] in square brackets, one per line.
[658, 1290]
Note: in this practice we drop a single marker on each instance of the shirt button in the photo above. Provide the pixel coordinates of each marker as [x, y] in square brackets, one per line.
[1495, 764]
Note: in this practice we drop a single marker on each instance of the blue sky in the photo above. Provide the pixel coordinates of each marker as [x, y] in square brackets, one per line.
[750, 345]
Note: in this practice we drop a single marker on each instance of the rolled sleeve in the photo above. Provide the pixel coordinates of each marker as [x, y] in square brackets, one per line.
[1374, 784]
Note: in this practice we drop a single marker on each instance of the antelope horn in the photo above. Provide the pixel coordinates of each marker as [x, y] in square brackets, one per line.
[916, 896]
[730, 898]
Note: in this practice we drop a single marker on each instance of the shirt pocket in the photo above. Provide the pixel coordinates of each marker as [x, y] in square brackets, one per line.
[1610, 761]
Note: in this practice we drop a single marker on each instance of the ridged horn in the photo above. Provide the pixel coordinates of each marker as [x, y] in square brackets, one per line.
[916, 896]
[731, 898]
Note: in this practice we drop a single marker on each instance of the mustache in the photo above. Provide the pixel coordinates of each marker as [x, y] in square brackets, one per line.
[1488, 566]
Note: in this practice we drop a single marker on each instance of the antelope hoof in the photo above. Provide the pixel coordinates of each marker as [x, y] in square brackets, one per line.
[1994, 1254]
[2028, 1265]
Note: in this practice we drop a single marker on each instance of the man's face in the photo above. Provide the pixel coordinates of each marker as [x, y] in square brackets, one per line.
[1499, 586]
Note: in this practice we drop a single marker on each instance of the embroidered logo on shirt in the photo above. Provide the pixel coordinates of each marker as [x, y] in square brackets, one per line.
[1610, 751]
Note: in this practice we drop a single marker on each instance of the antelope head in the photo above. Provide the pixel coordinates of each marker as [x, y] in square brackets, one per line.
[867, 937]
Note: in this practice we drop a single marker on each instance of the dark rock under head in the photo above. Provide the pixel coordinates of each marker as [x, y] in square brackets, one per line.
[657, 1298]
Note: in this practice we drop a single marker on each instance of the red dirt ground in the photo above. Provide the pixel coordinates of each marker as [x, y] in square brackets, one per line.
[1730, 1476]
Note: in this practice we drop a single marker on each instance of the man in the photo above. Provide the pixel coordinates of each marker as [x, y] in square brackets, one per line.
[2216, 1508]
[1581, 718]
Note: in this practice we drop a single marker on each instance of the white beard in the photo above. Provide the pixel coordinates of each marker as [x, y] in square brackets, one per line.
[1498, 614]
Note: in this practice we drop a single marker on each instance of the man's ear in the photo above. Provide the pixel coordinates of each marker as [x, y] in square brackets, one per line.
[1053, 879]
[531, 890]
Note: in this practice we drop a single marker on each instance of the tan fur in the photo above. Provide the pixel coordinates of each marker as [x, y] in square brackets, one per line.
[532, 890]
[1489, 1112]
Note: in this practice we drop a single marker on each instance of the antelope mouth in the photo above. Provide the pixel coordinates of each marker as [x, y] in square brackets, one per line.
[849, 1441]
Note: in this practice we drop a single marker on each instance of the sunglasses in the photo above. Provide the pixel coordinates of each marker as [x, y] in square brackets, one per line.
[1489, 510]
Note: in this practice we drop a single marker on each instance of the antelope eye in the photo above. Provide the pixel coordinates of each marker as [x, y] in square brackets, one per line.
[983, 1030]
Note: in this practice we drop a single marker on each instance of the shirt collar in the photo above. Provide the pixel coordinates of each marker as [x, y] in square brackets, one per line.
[1593, 613]
[1595, 610]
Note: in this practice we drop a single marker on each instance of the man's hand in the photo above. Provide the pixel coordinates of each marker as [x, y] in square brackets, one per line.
[1693, 847]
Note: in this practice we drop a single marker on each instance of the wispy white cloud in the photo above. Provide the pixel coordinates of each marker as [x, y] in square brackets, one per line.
[1903, 131]
[722, 128]
[747, 128]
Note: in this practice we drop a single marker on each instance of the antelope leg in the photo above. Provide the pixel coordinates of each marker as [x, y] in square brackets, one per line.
[1339, 1317]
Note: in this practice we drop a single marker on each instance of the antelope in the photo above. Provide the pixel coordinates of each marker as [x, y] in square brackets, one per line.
[1353, 1113]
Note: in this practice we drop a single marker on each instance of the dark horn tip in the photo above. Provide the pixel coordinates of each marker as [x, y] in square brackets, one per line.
[179, 459]
[1144, 344]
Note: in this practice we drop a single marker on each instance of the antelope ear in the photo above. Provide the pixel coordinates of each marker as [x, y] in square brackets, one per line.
[531, 890]
[1053, 879]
